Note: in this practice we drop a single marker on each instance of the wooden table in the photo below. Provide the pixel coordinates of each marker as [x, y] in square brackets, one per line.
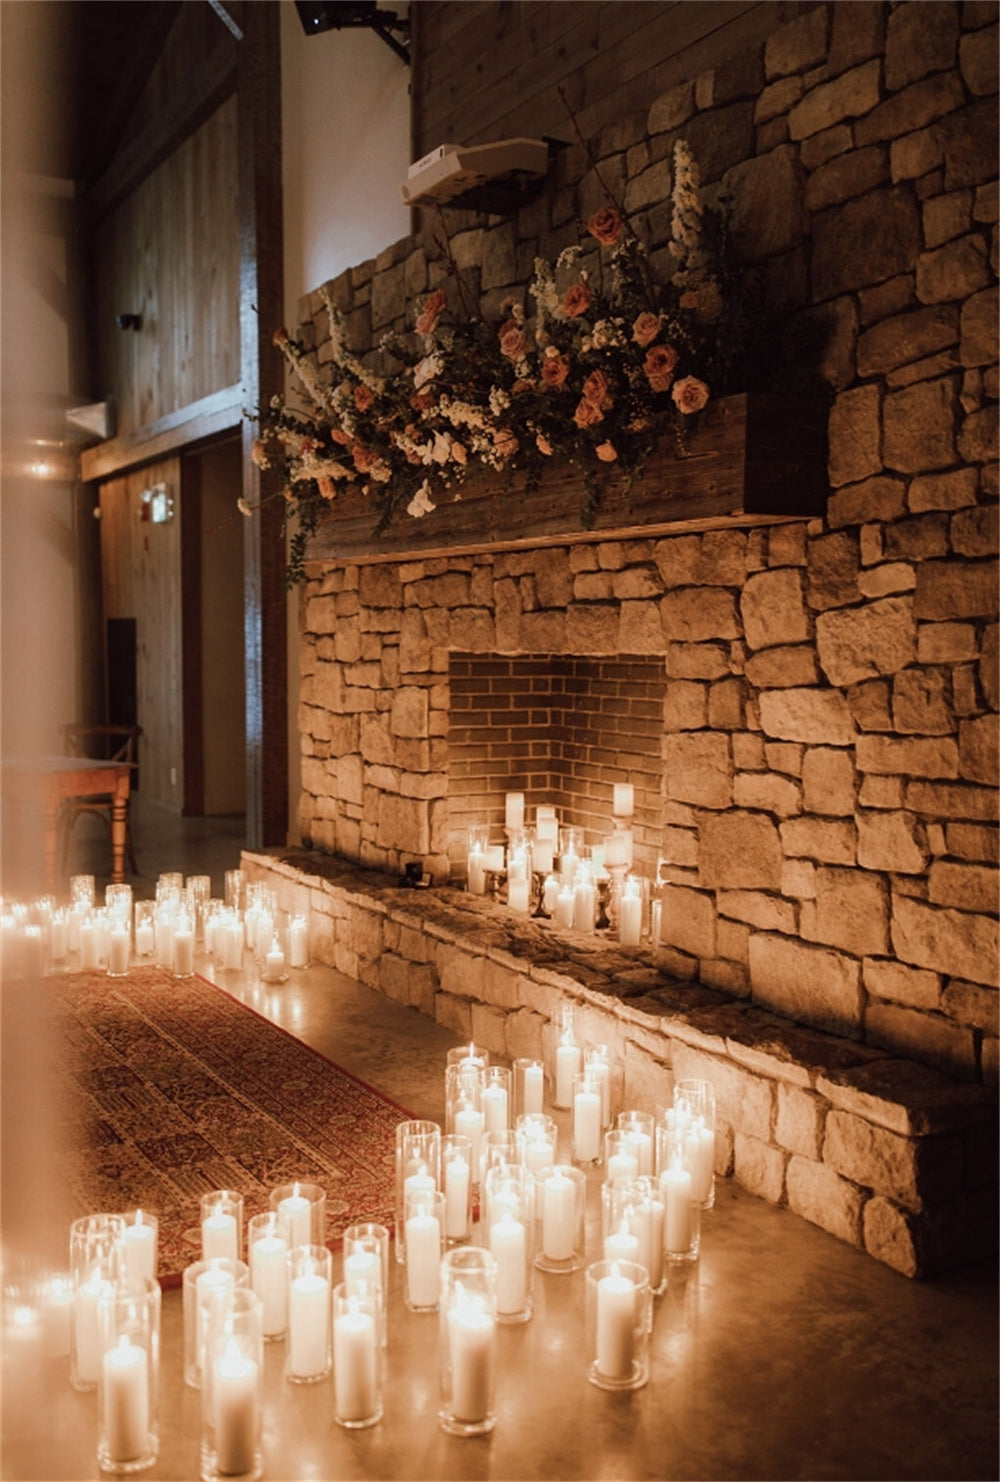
[53, 778]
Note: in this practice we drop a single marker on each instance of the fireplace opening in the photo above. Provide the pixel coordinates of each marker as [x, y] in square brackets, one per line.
[562, 730]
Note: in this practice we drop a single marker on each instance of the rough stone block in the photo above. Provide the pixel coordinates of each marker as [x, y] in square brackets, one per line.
[689, 921]
[524, 1030]
[848, 96]
[759, 1168]
[765, 912]
[783, 668]
[855, 433]
[864, 241]
[821, 1196]
[914, 1171]
[739, 850]
[893, 841]
[953, 272]
[919, 426]
[799, 1122]
[488, 1028]
[812, 716]
[647, 1081]
[851, 911]
[773, 609]
[908, 337]
[921, 703]
[814, 985]
[694, 615]
[959, 943]
[967, 887]
[862, 642]
[768, 215]
[771, 794]
[828, 781]
[698, 768]
[830, 841]
[845, 176]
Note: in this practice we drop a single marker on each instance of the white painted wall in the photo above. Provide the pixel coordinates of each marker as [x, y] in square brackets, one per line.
[345, 123]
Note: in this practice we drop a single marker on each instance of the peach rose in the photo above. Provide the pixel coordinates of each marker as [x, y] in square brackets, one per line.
[646, 328]
[588, 414]
[420, 401]
[659, 366]
[338, 435]
[595, 389]
[512, 341]
[555, 369]
[326, 487]
[505, 443]
[431, 312]
[606, 226]
[606, 452]
[690, 395]
[363, 397]
[364, 458]
[576, 300]
[543, 445]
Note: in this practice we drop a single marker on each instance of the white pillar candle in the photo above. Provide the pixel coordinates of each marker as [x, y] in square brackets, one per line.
[140, 1251]
[298, 941]
[599, 1071]
[58, 936]
[423, 1259]
[471, 1334]
[699, 1158]
[514, 810]
[568, 1060]
[621, 1164]
[125, 1403]
[476, 871]
[90, 1302]
[219, 1236]
[518, 893]
[563, 914]
[623, 800]
[89, 945]
[296, 1210]
[308, 1323]
[234, 1410]
[494, 1108]
[586, 1125]
[645, 1222]
[144, 939]
[469, 1123]
[538, 1152]
[558, 1217]
[493, 857]
[640, 1145]
[543, 855]
[656, 922]
[274, 963]
[456, 1198]
[268, 1278]
[550, 893]
[675, 1190]
[58, 1317]
[355, 1363]
[184, 950]
[615, 1326]
[621, 1245]
[507, 1242]
[119, 945]
[534, 1087]
[233, 942]
[584, 903]
[630, 915]
[568, 863]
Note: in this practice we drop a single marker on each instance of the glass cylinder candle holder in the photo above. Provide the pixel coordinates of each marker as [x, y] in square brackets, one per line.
[57, 1314]
[128, 1390]
[599, 1061]
[310, 1285]
[640, 1131]
[357, 1386]
[496, 1098]
[418, 1156]
[232, 1392]
[140, 1246]
[620, 1156]
[222, 1225]
[182, 958]
[302, 1206]
[267, 1249]
[298, 940]
[82, 891]
[694, 1104]
[207, 1288]
[463, 1106]
[529, 1086]
[366, 1266]
[586, 1119]
[506, 1230]
[681, 1213]
[58, 939]
[118, 901]
[95, 1256]
[619, 1319]
[119, 954]
[272, 951]
[475, 861]
[537, 1137]
[456, 1183]
[634, 1211]
[198, 891]
[565, 1056]
[560, 1203]
[144, 932]
[468, 1341]
[424, 1226]
[170, 885]
[570, 851]
[472, 1056]
[235, 884]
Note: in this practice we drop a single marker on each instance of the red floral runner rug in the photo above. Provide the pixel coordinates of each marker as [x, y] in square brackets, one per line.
[176, 1088]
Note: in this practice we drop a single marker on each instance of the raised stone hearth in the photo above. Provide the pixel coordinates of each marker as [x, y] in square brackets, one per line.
[893, 1157]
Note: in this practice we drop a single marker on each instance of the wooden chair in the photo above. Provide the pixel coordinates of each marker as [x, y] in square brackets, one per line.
[106, 744]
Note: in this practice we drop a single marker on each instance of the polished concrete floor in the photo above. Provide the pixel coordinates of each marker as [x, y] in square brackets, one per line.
[782, 1354]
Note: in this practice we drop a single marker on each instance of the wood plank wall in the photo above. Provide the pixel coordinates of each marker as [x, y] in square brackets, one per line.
[140, 563]
[170, 252]
[490, 69]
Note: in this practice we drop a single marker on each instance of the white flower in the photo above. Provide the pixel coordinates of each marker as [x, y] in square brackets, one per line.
[421, 503]
[427, 369]
[244, 508]
[499, 400]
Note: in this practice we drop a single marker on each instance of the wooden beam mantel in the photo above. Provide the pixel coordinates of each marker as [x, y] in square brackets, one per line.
[220, 412]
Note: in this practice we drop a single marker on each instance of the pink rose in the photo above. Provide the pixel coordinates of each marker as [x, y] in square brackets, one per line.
[576, 300]
[595, 389]
[606, 226]
[646, 328]
[690, 395]
[659, 366]
[505, 443]
[555, 369]
[606, 452]
[588, 414]
[512, 341]
[363, 397]
[431, 313]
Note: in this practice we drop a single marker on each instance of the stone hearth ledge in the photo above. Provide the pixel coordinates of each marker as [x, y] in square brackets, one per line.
[886, 1154]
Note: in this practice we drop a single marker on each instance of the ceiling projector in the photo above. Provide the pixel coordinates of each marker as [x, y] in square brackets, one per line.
[452, 170]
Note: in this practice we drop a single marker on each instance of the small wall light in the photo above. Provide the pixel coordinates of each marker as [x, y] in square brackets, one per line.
[129, 321]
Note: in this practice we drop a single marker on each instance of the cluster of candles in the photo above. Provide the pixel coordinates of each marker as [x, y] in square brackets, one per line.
[482, 1203]
[47, 936]
[569, 883]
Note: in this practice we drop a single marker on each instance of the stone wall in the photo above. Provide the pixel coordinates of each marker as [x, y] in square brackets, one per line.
[830, 723]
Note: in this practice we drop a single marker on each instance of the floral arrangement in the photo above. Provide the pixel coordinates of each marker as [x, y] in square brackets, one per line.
[593, 367]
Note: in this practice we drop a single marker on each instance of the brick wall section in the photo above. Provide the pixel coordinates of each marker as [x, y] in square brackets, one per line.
[893, 1157]
[830, 739]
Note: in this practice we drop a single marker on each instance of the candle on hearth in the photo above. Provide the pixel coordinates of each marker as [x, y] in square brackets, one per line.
[623, 804]
[534, 1087]
[298, 942]
[615, 1325]
[565, 903]
[550, 894]
[514, 810]
[615, 853]
[584, 900]
[493, 858]
[645, 1222]
[125, 1401]
[699, 1157]
[630, 914]
[234, 1410]
[119, 946]
[274, 962]
[469, 1122]
[476, 869]
[519, 892]
[495, 1104]
[543, 855]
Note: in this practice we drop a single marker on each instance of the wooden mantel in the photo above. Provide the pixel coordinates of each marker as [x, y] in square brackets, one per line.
[752, 459]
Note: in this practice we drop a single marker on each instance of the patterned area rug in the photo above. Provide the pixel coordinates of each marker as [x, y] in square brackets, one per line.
[176, 1088]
